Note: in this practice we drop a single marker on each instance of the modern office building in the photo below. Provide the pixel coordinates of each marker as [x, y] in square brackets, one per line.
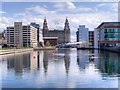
[29, 36]
[109, 35]
[21, 36]
[91, 39]
[83, 36]
[62, 35]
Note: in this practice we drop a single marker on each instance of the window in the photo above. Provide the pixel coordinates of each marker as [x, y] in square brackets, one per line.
[111, 34]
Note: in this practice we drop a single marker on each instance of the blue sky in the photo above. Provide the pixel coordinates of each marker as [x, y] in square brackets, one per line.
[90, 14]
[18, 7]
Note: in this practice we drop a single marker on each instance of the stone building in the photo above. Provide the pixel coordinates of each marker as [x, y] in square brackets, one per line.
[62, 36]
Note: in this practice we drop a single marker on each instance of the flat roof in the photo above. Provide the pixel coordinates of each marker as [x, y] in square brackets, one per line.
[108, 23]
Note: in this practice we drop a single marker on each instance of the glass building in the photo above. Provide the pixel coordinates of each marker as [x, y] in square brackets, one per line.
[109, 35]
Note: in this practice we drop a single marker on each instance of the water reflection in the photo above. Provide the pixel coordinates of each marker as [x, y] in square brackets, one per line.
[24, 62]
[57, 56]
[18, 63]
[33, 61]
[79, 67]
[105, 62]
[109, 63]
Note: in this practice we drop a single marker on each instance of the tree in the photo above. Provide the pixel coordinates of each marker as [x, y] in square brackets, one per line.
[83, 44]
[48, 43]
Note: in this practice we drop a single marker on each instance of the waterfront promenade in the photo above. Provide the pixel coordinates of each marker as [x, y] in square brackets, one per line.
[12, 51]
[21, 50]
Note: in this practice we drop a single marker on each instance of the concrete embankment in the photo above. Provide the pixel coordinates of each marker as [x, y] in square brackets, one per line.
[45, 48]
[13, 51]
[111, 49]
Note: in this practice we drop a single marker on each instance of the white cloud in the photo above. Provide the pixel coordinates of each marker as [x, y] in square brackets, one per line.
[82, 9]
[85, 9]
[2, 12]
[101, 5]
[112, 6]
[56, 21]
[60, 1]
[4, 22]
[65, 5]
[91, 20]
[70, 5]
[40, 10]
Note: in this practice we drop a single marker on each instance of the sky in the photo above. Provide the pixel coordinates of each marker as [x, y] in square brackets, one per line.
[90, 14]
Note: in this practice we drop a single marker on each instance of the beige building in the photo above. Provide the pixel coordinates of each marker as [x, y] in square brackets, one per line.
[21, 36]
[29, 36]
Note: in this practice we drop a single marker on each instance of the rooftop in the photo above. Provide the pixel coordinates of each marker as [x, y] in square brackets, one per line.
[109, 24]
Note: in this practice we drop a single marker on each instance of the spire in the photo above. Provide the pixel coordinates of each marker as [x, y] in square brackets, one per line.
[66, 27]
[66, 21]
[67, 31]
[45, 24]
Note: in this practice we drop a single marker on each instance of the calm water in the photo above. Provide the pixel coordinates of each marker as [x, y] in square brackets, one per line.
[65, 68]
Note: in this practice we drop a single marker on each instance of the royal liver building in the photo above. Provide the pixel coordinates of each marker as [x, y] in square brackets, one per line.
[56, 36]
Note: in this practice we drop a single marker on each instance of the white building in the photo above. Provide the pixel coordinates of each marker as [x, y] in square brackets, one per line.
[29, 36]
[96, 37]
[83, 35]
[39, 34]
[19, 35]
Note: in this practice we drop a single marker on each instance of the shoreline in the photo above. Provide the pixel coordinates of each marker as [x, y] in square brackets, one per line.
[14, 51]
[109, 50]
[44, 48]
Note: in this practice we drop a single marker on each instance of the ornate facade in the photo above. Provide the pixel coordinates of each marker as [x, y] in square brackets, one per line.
[62, 35]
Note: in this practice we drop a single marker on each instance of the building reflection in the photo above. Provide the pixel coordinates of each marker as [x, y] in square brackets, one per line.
[82, 58]
[40, 57]
[34, 61]
[109, 63]
[45, 61]
[18, 63]
[57, 58]
[25, 62]
[106, 62]
[67, 60]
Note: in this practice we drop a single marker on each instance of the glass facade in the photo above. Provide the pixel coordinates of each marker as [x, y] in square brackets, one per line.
[109, 34]
[112, 34]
